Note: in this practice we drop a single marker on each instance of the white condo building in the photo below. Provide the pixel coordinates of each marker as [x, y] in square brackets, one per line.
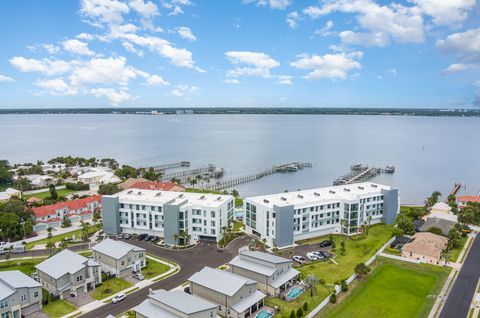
[284, 218]
[167, 214]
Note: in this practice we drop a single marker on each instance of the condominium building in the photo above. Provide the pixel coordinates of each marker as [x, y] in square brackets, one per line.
[283, 218]
[167, 214]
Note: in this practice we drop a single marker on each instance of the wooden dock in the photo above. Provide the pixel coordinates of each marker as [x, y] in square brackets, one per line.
[361, 173]
[173, 165]
[190, 172]
[284, 168]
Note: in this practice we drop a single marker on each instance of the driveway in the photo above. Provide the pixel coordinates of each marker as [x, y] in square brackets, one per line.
[80, 300]
[461, 295]
[190, 261]
[37, 314]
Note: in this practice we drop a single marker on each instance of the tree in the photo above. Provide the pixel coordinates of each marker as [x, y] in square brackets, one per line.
[50, 247]
[66, 221]
[361, 269]
[292, 314]
[397, 232]
[305, 306]
[22, 184]
[151, 175]
[405, 224]
[175, 238]
[53, 192]
[299, 312]
[85, 228]
[5, 174]
[343, 285]
[311, 280]
[126, 172]
[445, 255]
[108, 189]
[333, 298]
[63, 245]
[435, 230]
[342, 248]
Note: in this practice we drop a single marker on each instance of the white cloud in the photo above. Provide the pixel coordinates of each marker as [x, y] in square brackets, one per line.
[77, 47]
[284, 80]
[458, 67]
[392, 72]
[186, 33]
[116, 97]
[325, 31]
[257, 64]
[232, 81]
[130, 48]
[175, 6]
[146, 9]
[156, 80]
[44, 66]
[5, 78]
[181, 90]
[274, 4]
[56, 86]
[446, 12]
[99, 12]
[333, 66]
[382, 23]
[462, 43]
[85, 36]
[292, 19]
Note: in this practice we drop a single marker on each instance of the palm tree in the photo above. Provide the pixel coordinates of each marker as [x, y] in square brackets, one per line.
[369, 219]
[445, 255]
[50, 246]
[85, 227]
[344, 223]
[49, 230]
[186, 237]
[311, 280]
[63, 245]
[264, 241]
[175, 238]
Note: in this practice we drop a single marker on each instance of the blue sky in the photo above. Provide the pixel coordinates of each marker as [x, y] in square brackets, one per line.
[283, 53]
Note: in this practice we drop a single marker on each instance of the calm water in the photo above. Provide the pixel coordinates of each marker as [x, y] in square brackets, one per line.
[429, 153]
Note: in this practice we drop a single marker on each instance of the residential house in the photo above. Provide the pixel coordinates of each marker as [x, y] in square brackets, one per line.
[51, 216]
[425, 247]
[274, 274]
[236, 296]
[283, 218]
[8, 193]
[463, 200]
[127, 184]
[40, 181]
[119, 258]
[20, 295]
[68, 273]
[444, 225]
[174, 304]
[97, 176]
[441, 207]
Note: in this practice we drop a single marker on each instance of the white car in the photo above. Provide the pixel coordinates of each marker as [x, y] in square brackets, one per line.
[318, 255]
[299, 259]
[118, 298]
[138, 276]
[312, 256]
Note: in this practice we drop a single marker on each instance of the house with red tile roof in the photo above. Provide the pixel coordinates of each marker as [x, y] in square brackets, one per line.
[76, 210]
[462, 200]
[159, 186]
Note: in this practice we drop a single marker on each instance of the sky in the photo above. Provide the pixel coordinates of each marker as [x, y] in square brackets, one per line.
[239, 53]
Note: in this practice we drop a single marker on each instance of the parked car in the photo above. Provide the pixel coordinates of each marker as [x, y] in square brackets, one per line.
[326, 254]
[138, 276]
[3, 243]
[326, 243]
[299, 259]
[17, 249]
[319, 255]
[118, 298]
[312, 256]
[127, 236]
[3, 251]
[149, 237]
[155, 239]
[120, 236]
[141, 237]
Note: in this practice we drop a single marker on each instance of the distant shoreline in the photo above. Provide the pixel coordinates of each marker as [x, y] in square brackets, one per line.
[253, 111]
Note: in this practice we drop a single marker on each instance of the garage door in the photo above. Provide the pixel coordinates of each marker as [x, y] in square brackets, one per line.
[80, 290]
[125, 272]
[29, 309]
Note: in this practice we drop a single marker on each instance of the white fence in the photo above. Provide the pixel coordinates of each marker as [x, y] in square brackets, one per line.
[400, 258]
[349, 280]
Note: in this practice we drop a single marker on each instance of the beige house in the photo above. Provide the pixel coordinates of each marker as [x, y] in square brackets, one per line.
[174, 304]
[20, 295]
[236, 296]
[425, 247]
[274, 274]
[8, 193]
[68, 273]
[119, 258]
[441, 207]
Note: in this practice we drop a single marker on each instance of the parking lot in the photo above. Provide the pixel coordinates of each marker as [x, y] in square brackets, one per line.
[302, 250]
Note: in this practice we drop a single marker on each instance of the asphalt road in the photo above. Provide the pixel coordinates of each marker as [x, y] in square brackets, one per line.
[39, 253]
[190, 261]
[461, 295]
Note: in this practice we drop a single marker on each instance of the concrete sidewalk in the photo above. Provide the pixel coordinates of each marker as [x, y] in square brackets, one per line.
[55, 231]
[141, 284]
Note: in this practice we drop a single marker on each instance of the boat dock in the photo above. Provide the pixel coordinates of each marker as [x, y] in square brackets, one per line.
[191, 172]
[284, 168]
[361, 173]
[173, 165]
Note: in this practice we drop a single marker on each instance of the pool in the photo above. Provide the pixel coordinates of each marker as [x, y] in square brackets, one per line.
[263, 314]
[294, 292]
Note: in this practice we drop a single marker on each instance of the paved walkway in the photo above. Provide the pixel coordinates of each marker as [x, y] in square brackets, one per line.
[460, 298]
[44, 235]
[42, 190]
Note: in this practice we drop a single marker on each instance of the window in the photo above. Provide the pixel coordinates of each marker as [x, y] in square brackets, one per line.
[23, 298]
[212, 214]
[35, 294]
[123, 263]
[79, 278]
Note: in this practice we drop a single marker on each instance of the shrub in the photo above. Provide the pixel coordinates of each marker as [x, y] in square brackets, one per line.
[321, 281]
[292, 314]
[435, 230]
[361, 269]
[344, 285]
[333, 298]
[305, 306]
[299, 312]
[77, 186]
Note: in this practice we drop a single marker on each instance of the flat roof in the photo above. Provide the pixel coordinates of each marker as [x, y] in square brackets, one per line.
[316, 195]
[157, 197]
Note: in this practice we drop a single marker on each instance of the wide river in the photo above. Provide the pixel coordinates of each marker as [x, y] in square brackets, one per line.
[429, 153]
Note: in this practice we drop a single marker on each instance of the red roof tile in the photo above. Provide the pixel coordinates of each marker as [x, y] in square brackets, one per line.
[70, 205]
[468, 198]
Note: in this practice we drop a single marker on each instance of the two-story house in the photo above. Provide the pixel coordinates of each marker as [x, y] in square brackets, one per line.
[274, 274]
[236, 296]
[20, 295]
[68, 273]
[174, 304]
[119, 258]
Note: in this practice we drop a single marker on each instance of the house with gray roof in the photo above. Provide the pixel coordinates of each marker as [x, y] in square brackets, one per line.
[444, 225]
[274, 274]
[236, 296]
[68, 273]
[175, 304]
[20, 295]
[119, 258]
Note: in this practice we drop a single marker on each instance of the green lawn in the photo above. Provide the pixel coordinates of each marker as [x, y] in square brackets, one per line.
[60, 237]
[154, 268]
[394, 289]
[455, 253]
[237, 225]
[46, 194]
[58, 308]
[110, 287]
[25, 266]
[286, 307]
[356, 251]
